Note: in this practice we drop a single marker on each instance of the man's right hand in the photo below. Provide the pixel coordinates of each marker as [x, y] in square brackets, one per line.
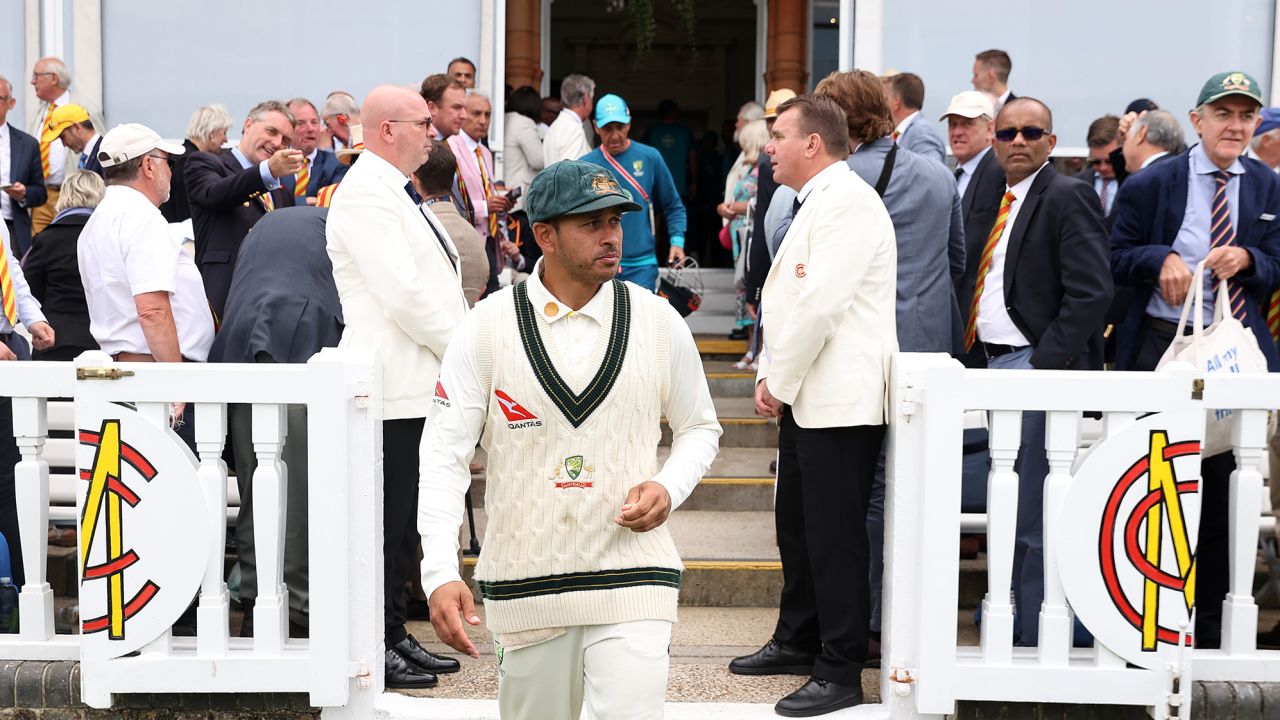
[285, 162]
[449, 603]
[1175, 279]
[1126, 123]
[6, 353]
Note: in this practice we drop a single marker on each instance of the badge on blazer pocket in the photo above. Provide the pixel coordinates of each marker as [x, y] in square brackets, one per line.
[800, 271]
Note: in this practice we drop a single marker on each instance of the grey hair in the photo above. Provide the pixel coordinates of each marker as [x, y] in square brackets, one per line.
[80, 189]
[6, 83]
[575, 88]
[1163, 130]
[266, 107]
[751, 111]
[1256, 142]
[208, 120]
[473, 93]
[340, 103]
[59, 68]
[752, 139]
[301, 101]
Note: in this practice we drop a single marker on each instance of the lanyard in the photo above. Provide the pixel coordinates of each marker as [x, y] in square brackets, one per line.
[653, 227]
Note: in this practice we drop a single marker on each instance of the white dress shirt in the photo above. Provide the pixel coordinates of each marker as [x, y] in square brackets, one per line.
[449, 439]
[1152, 159]
[57, 151]
[88, 148]
[28, 307]
[6, 172]
[126, 249]
[994, 324]
[565, 140]
[967, 169]
[906, 122]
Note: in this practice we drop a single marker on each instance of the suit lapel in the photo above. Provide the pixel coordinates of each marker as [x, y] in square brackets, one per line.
[1026, 215]
[1248, 210]
[1176, 199]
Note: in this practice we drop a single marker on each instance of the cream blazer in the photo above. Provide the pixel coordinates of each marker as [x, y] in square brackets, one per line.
[400, 287]
[829, 306]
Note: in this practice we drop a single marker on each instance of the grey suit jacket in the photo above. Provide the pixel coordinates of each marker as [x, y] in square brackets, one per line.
[925, 210]
[924, 138]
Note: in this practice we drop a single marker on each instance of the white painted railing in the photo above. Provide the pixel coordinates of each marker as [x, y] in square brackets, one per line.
[926, 670]
[341, 658]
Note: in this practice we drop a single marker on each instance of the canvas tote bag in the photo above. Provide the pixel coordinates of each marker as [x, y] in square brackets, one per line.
[1226, 346]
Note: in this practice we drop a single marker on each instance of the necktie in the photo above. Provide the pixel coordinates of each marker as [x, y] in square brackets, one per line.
[959, 172]
[44, 146]
[795, 207]
[267, 203]
[468, 209]
[1224, 235]
[7, 298]
[488, 191]
[84, 160]
[1104, 196]
[984, 265]
[302, 180]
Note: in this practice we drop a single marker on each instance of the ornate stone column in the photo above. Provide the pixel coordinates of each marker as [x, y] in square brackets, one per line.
[788, 46]
[524, 43]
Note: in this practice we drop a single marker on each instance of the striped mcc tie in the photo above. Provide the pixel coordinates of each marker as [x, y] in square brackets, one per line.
[7, 297]
[302, 180]
[1223, 234]
[488, 191]
[45, 146]
[984, 265]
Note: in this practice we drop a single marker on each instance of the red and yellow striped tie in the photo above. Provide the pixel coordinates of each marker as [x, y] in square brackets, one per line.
[44, 146]
[324, 196]
[302, 180]
[6, 289]
[1273, 316]
[984, 265]
[488, 191]
[268, 203]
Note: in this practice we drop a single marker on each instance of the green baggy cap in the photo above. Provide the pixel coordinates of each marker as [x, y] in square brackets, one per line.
[573, 187]
[1230, 83]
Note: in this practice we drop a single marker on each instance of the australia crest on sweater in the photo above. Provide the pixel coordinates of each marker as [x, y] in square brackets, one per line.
[577, 472]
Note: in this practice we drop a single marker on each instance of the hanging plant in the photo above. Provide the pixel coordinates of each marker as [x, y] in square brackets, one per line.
[644, 24]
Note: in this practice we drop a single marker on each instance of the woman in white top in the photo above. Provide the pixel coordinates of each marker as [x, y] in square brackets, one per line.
[522, 149]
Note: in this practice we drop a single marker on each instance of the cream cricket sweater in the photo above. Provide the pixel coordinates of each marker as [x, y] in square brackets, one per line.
[560, 464]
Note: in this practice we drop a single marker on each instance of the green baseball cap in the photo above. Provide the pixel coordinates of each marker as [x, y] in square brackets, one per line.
[1230, 83]
[573, 187]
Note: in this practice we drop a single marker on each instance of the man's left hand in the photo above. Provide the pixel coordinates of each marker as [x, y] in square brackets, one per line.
[42, 337]
[17, 191]
[675, 256]
[1228, 261]
[499, 204]
[766, 404]
[647, 507]
[508, 248]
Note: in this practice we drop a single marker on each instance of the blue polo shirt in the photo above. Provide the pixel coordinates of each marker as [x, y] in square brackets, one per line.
[644, 167]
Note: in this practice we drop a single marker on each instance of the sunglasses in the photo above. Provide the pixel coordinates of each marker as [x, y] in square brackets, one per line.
[1030, 133]
[1096, 162]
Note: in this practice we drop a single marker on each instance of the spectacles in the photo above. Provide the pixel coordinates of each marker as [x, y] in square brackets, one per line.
[1030, 133]
[168, 160]
[424, 124]
[1095, 162]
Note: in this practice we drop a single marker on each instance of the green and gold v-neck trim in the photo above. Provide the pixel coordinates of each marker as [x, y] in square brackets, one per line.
[576, 408]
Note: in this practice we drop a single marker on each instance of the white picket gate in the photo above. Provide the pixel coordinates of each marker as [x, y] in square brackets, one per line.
[926, 671]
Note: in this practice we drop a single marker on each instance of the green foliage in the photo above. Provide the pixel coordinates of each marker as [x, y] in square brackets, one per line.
[643, 13]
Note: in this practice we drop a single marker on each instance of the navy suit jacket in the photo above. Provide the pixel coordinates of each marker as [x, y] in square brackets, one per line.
[91, 162]
[326, 171]
[24, 167]
[979, 207]
[1148, 214]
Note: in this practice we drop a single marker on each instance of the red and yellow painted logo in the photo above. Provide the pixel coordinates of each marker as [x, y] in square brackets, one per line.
[104, 511]
[1158, 512]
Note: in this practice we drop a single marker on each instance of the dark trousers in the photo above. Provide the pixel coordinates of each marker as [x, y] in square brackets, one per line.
[1213, 554]
[400, 439]
[9, 457]
[824, 482]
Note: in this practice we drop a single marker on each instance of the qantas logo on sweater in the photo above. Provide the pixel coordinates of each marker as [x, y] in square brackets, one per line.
[441, 398]
[517, 416]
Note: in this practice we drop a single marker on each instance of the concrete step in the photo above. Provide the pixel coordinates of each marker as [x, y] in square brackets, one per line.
[739, 430]
[716, 345]
[713, 279]
[725, 380]
[703, 642]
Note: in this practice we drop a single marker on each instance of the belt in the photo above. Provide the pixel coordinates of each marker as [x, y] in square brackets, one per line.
[1166, 325]
[58, 187]
[137, 357]
[992, 350]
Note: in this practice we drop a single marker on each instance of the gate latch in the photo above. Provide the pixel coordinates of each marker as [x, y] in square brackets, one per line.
[1197, 389]
[102, 373]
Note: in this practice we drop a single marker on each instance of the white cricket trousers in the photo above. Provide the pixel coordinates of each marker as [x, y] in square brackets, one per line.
[620, 670]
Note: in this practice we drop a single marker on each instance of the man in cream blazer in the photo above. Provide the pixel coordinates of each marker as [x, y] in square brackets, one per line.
[829, 331]
[398, 279]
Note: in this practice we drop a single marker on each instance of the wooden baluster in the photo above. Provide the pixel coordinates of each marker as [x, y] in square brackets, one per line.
[271, 609]
[1239, 612]
[212, 637]
[1061, 431]
[31, 490]
[1002, 519]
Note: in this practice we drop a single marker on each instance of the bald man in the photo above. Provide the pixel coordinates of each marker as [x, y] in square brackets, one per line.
[402, 296]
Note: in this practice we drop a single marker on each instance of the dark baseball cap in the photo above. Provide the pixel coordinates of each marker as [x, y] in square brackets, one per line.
[1270, 120]
[1230, 83]
[573, 187]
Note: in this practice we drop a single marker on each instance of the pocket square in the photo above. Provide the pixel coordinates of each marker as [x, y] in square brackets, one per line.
[1266, 217]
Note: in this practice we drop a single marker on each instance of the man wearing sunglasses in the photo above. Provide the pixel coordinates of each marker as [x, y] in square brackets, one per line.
[1042, 285]
[1207, 204]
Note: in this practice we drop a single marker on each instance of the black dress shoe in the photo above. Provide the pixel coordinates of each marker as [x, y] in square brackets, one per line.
[738, 333]
[410, 650]
[773, 659]
[401, 673]
[818, 697]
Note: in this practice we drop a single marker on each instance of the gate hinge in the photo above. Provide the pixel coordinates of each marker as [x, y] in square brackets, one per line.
[903, 678]
[102, 373]
[1197, 389]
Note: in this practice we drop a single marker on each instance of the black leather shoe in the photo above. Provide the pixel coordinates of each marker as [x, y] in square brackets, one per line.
[410, 650]
[401, 673]
[773, 659]
[818, 697]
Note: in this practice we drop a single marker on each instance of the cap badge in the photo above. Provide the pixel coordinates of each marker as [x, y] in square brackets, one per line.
[1236, 81]
[603, 184]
